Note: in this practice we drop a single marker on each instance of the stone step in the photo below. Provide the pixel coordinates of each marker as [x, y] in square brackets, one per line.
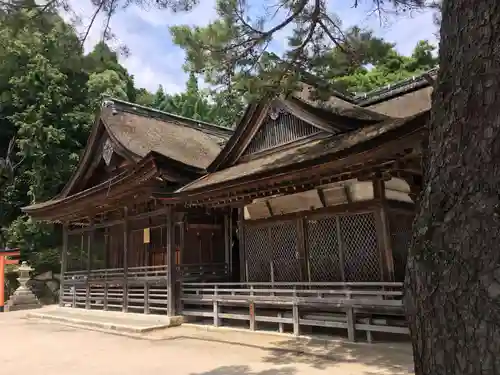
[107, 320]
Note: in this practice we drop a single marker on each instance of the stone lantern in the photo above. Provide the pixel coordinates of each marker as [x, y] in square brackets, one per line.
[23, 298]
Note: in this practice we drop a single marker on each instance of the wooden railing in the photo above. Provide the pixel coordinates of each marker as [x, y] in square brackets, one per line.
[368, 307]
[139, 289]
[118, 273]
[203, 272]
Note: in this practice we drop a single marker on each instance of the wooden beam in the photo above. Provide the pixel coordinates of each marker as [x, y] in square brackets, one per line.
[241, 235]
[321, 195]
[126, 233]
[64, 263]
[269, 208]
[383, 232]
[172, 267]
[90, 243]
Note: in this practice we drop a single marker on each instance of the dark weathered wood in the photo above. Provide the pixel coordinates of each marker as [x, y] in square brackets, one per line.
[383, 234]
[105, 299]
[126, 236]
[172, 267]
[64, 263]
[146, 297]
[242, 248]
[90, 243]
[351, 330]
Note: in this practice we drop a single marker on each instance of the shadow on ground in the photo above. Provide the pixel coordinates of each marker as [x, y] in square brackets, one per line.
[378, 358]
[245, 370]
[386, 358]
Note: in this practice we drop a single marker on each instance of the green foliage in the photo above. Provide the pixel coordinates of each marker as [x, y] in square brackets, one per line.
[193, 103]
[49, 93]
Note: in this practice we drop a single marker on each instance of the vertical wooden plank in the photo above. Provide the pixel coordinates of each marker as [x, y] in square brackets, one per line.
[281, 328]
[90, 245]
[251, 313]
[341, 248]
[216, 308]
[227, 242]
[369, 335]
[351, 330]
[171, 273]
[146, 297]
[105, 302]
[241, 234]
[295, 313]
[296, 319]
[126, 234]
[147, 261]
[383, 232]
[64, 263]
[182, 233]
[230, 239]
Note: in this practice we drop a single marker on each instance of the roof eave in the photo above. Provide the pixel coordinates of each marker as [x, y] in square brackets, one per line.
[414, 123]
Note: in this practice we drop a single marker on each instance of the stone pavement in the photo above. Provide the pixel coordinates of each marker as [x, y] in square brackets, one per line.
[106, 320]
[44, 347]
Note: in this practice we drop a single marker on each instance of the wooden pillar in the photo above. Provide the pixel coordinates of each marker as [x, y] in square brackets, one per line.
[64, 263]
[227, 241]
[242, 249]
[125, 258]
[171, 264]
[90, 243]
[383, 233]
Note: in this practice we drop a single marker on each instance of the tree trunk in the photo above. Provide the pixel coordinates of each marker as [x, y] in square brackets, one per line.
[453, 274]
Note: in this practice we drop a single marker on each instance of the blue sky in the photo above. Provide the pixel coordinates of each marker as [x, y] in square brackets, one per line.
[155, 60]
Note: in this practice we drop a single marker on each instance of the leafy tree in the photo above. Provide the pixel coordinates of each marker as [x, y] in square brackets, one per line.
[193, 103]
[49, 91]
[144, 97]
[103, 59]
[158, 98]
[108, 83]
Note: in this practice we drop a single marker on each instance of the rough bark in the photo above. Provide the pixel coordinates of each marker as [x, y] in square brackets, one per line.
[453, 274]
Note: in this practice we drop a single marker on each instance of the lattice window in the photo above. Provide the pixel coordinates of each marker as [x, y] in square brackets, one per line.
[258, 253]
[324, 259]
[77, 252]
[284, 244]
[359, 242]
[284, 129]
[400, 226]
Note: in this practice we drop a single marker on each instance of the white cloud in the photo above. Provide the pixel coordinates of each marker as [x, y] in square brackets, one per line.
[154, 60]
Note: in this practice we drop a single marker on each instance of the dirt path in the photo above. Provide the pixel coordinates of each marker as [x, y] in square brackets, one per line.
[45, 348]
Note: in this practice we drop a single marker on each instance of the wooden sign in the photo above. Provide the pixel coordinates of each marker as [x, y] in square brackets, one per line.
[147, 235]
[5, 258]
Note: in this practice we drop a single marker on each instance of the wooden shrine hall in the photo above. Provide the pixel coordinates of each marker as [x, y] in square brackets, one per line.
[298, 220]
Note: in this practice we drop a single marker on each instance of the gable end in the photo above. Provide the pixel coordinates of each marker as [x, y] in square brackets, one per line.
[278, 129]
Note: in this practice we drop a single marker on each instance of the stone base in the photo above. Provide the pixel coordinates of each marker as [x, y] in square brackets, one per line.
[22, 299]
[108, 321]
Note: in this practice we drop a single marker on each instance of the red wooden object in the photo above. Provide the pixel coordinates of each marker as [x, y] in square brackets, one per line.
[4, 260]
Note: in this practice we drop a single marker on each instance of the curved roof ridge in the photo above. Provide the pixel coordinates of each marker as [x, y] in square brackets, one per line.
[136, 108]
